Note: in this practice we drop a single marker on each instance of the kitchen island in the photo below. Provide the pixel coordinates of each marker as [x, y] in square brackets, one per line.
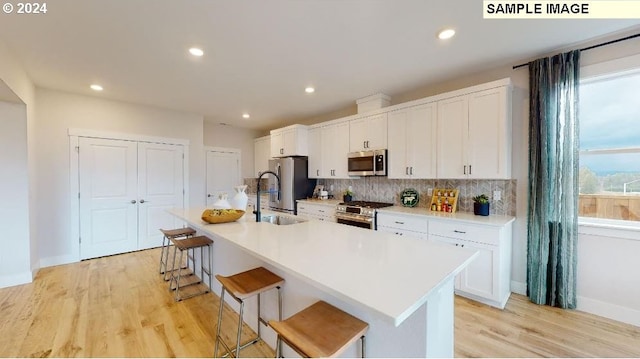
[402, 287]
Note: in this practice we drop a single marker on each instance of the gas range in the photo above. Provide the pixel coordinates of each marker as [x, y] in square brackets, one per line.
[359, 213]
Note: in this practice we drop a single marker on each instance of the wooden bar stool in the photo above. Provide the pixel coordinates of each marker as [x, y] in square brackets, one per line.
[320, 330]
[242, 286]
[184, 245]
[179, 233]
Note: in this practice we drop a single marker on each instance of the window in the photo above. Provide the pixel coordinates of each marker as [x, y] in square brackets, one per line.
[609, 117]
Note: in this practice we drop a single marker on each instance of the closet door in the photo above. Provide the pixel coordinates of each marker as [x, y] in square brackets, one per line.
[108, 197]
[160, 187]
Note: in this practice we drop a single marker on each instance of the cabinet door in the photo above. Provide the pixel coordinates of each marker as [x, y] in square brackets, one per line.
[335, 144]
[420, 135]
[261, 154]
[357, 135]
[397, 140]
[289, 143]
[377, 132]
[489, 134]
[277, 149]
[452, 132]
[480, 277]
[316, 156]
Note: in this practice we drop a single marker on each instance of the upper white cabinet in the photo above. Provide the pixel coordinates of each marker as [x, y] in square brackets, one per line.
[261, 154]
[474, 135]
[289, 141]
[328, 148]
[368, 133]
[412, 142]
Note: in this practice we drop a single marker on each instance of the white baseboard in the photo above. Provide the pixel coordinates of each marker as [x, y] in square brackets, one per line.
[608, 310]
[15, 279]
[518, 287]
[57, 260]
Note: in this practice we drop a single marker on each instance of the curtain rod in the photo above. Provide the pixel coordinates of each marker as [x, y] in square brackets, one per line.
[592, 47]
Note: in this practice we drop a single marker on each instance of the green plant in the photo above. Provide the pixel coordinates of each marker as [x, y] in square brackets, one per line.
[482, 198]
[348, 192]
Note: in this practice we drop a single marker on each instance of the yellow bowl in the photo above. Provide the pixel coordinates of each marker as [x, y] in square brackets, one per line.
[221, 215]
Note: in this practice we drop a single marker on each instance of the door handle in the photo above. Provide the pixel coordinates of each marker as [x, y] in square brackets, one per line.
[133, 201]
[142, 201]
[208, 195]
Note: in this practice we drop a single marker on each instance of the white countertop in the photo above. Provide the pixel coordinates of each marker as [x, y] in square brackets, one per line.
[491, 220]
[380, 271]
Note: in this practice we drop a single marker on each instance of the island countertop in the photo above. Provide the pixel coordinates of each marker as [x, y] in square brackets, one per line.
[389, 275]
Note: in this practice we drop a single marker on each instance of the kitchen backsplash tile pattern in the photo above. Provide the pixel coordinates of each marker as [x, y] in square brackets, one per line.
[383, 189]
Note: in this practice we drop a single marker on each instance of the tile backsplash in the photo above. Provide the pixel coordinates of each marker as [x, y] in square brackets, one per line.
[383, 189]
[388, 190]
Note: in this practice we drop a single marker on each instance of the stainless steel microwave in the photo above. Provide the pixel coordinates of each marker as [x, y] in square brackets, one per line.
[367, 163]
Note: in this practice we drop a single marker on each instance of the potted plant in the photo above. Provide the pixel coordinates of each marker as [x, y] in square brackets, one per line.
[481, 205]
[348, 195]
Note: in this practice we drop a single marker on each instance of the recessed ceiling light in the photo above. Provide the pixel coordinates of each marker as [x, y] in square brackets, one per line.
[245, 115]
[196, 51]
[446, 34]
[95, 87]
[309, 90]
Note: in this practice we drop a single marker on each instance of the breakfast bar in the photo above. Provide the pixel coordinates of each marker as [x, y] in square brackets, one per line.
[402, 287]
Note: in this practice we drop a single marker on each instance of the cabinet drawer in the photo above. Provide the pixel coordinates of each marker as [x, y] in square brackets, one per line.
[408, 223]
[467, 232]
[319, 210]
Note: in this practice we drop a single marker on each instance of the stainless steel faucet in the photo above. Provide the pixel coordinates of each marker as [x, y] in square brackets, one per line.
[257, 209]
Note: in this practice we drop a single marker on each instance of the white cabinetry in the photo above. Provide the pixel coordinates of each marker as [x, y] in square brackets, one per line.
[412, 142]
[317, 211]
[289, 141]
[403, 225]
[261, 154]
[487, 278]
[328, 149]
[368, 133]
[474, 133]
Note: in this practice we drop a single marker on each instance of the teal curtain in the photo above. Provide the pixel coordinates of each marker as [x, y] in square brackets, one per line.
[553, 180]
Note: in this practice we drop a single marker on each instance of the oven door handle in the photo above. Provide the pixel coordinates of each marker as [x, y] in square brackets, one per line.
[354, 218]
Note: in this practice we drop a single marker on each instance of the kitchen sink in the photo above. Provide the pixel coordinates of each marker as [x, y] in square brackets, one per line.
[281, 220]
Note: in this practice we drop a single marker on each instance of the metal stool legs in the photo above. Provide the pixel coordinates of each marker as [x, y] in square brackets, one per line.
[168, 234]
[176, 274]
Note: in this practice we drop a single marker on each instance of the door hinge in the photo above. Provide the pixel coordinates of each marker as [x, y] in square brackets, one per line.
[78, 149]
[80, 239]
[78, 195]
[183, 156]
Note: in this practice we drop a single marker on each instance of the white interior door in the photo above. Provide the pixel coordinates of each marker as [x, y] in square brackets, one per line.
[223, 173]
[108, 197]
[160, 187]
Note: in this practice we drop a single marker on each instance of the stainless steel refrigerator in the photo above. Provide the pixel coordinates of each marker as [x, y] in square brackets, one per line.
[294, 183]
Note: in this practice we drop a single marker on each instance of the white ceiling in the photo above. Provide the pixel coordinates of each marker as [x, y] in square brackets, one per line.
[261, 54]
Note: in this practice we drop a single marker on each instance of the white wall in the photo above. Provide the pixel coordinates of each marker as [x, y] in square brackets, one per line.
[15, 78]
[15, 261]
[216, 135]
[56, 113]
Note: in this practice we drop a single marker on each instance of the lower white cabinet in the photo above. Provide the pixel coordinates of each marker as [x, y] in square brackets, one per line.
[487, 278]
[403, 225]
[317, 211]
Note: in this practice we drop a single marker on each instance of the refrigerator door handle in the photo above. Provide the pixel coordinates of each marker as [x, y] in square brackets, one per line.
[279, 182]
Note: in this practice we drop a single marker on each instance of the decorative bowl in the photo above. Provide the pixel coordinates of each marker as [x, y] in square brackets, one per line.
[221, 215]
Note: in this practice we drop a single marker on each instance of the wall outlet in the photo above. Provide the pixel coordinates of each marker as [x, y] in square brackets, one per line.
[429, 191]
[497, 195]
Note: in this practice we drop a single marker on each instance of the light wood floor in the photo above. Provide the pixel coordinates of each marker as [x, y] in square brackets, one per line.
[120, 307]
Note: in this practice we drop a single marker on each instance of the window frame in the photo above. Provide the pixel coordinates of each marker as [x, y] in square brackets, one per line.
[602, 226]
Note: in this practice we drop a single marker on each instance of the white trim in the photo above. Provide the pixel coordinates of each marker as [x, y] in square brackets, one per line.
[59, 260]
[609, 228]
[10, 280]
[608, 310]
[519, 287]
[126, 136]
[74, 201]
[611, 67]
[223, 149]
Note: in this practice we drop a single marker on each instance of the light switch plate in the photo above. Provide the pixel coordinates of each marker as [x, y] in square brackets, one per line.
[497, 195]
[429, 191]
